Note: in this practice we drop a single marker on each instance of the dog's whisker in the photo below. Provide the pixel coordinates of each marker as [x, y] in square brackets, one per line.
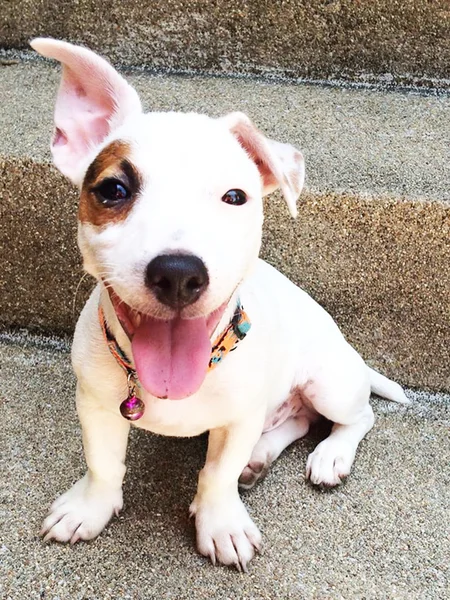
[83, 277]
[107, 278]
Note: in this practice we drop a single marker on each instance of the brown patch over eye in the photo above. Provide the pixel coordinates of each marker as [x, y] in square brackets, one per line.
[110, 187]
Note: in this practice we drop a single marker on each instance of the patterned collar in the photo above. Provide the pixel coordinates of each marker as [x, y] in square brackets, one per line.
[132, 408]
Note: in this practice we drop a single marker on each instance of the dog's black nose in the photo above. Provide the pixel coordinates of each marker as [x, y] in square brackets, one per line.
[177, 280]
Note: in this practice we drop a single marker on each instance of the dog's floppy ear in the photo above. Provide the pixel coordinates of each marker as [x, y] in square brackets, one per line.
[93, 99]
[280, 165]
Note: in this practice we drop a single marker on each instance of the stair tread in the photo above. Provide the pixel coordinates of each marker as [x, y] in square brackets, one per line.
[354, 140]
[380, 533]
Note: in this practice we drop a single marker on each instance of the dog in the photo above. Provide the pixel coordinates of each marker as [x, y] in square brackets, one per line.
[187, 330]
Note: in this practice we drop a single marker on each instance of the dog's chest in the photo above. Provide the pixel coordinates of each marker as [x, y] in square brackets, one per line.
[185, 418]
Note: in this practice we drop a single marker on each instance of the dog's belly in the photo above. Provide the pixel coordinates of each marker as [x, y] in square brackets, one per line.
[188, 418]
[296, 405]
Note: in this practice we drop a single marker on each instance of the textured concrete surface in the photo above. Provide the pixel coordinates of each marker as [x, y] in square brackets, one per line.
[371, 242]
[383, 40]
[383, 534]
[353, 140]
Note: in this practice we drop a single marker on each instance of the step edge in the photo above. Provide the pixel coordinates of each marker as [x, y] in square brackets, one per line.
[363, 194]
[423, 86]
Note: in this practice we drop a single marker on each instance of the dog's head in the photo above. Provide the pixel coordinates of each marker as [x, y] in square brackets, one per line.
[170, 212]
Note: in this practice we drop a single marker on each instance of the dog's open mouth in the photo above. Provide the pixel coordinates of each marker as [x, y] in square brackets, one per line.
[171, 356]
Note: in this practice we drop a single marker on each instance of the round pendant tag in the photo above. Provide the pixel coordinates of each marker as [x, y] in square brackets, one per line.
[132, 408]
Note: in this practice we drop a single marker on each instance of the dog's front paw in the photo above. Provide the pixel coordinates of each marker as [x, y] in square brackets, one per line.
[225, 532]
[330, 463]
[82, 512]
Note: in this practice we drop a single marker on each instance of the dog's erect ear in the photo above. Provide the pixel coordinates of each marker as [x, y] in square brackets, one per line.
[280, 165]
[93, 99]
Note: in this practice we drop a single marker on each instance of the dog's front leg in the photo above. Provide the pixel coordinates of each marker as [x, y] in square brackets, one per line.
[225, 531]
[84, 510]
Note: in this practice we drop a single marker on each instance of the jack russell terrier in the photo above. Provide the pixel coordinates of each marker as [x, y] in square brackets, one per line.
[188, 330]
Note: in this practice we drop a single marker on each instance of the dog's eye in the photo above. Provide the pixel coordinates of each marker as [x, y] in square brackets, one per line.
[112, 192]
[235, 197]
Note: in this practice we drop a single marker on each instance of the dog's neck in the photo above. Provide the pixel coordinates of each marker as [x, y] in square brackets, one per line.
[122, 338]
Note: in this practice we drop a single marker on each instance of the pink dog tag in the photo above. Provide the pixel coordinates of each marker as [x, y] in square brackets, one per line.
[132, 408]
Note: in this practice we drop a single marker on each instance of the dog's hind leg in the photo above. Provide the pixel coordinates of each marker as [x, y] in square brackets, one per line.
[332, 460]
[269, 447]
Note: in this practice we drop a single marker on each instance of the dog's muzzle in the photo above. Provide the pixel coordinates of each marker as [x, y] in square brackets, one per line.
[177, 280]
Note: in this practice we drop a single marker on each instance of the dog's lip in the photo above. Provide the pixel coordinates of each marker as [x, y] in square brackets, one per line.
[130, 318]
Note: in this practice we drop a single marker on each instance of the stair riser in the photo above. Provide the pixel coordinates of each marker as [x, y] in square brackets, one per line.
[367, 40]
[379, 266]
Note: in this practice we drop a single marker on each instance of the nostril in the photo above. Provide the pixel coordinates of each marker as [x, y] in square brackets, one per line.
[163, 283]
[194, 284]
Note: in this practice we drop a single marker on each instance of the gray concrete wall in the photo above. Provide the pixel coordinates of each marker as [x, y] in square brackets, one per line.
[397, 40]
[379, 267]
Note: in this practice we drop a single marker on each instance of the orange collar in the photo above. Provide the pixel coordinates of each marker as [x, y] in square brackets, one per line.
[227, 341]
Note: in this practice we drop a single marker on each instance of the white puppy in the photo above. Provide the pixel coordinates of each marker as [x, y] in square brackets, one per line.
[170, 222]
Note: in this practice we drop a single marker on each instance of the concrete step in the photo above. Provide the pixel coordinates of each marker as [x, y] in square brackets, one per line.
[370, 40]
[371, 243]
[381, 535]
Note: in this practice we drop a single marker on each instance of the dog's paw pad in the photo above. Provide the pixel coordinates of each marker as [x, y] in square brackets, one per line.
[255, 471]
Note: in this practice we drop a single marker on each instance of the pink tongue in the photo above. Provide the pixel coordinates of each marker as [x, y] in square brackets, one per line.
[171, 357]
